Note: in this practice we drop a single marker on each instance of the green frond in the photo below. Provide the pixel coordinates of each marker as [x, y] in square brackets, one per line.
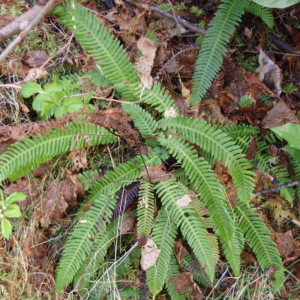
[206, 183]
[78, 246]
[190, 224]
[172, 271]
[283, 177]
[262, 160]
[219, 33]
[142, 119]
[235, 131]
[96, 257]
[102, 196]
[112, 58]
[218, 145]
[97, 78]
[163, 235]
[257, 236]
[212, 195]
[88, 178]
[101, 45]
[243, 142]
[25, 156]
[296, 169]
[263, 12]
[160, 99]
[145, 209]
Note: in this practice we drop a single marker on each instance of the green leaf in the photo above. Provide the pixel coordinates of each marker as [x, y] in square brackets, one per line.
[13, 211]
[30, 88]
[6, 228]
[294, 153]
[290, 132]
[52, 87]
[276, 3]
[38, 101]
[15, 197]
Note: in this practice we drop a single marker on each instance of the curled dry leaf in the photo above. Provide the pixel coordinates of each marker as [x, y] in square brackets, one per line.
[79, 159]
[269, 73]
[156, 173]
[149, 254]
[145, 63]
[184, 281]
[127, 224]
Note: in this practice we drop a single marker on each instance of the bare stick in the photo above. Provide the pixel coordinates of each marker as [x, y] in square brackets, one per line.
[18, 24]
[46, 9]
[166, 14]
[277, 188]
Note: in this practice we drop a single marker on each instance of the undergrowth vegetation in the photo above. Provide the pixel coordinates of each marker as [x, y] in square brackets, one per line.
[186, 202]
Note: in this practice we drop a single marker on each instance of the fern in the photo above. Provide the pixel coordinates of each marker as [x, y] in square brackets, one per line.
[220, 146]
[191, 227]
[23, 157]
[263, 12]
[214, 45]
[142, 119]
[296, 169]
[115, 63]
[78, 246]
[145, 209]
[172, 271]
[235, 131]
[257, 236]
[164, 234]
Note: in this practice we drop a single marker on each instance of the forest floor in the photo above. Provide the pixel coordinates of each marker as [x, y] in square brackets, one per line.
[29, 257]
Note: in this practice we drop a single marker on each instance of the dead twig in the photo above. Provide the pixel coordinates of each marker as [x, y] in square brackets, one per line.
[45, 9]
[277, 188]
[166, 14]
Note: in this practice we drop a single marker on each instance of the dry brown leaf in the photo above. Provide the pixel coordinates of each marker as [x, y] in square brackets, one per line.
[35, 74]
[149, 254]
[252, 150]
[145, 63]
[156, 173]
[127, 224]
[286, 243]
[279, 115]
[36, 58]
[269, 73]
[79, 159]
[184, 201]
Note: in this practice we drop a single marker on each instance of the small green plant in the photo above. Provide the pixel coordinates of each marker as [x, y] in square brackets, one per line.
[290, 88]
[167, 6]
[9, 210]
[55, 99]
[197, 11]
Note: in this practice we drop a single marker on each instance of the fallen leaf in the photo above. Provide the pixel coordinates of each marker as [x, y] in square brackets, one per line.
[184, 201]
[269, 73]
[149, 254]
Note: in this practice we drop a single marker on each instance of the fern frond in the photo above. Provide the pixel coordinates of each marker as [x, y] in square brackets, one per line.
[213, 49]
[257, 236]
[283, 177]
[96, 256]
[145, 209]
[243, 142]
[262, 160]
[172, 271]
[263, 12]
[163, 235]
[218, 145]
[112, 58]
[102, 196]
[25, 156]
[206, 183]
[102, 46]
[88, 178]
[296, 169]
[142, 119]
[191, 226]
[235, 131]
[78, 246]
